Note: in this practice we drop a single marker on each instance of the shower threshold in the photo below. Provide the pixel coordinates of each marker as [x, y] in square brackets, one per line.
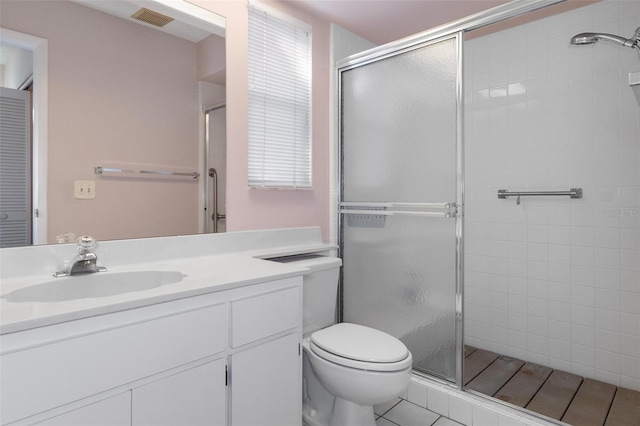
[553, 393]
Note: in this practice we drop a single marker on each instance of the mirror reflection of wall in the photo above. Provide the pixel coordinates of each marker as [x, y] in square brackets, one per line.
[121, 94]
[16, 66]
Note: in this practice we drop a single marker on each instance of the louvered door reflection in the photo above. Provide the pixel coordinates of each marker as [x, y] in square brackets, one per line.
[15, 167]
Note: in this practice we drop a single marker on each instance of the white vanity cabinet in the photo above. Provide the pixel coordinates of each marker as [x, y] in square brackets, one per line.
[265, 390]
[113, 411]
[193, 397]
[182, 362]
[264, 386]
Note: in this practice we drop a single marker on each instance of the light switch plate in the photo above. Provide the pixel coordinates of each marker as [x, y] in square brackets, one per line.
[84, 189]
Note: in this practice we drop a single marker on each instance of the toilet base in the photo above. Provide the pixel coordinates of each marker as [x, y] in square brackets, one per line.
[311, 417]
[347, 413]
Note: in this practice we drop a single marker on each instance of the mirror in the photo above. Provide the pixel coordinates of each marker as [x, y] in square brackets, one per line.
[113, 92]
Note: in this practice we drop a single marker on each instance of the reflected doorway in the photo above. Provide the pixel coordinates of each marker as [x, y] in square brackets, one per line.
[25, 68]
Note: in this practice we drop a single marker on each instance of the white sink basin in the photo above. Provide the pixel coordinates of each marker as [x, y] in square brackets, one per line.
[100, 284]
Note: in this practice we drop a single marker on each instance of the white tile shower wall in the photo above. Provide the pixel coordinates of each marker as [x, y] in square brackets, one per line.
[555, 280]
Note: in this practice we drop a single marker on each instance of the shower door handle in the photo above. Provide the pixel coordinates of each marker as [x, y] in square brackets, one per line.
[397, 213]
[215, 215]
[401, 209]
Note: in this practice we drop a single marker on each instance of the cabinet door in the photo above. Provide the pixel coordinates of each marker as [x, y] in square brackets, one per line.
[192, 397]
[114, 411]
[266, 384]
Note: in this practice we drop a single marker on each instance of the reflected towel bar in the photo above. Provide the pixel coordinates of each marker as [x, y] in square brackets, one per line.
[572, 193]
[100, 170]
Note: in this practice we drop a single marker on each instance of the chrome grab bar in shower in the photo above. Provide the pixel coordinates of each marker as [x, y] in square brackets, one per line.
[215, 216]
[572, 193]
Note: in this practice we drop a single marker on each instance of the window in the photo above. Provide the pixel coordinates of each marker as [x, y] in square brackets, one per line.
[279, 102]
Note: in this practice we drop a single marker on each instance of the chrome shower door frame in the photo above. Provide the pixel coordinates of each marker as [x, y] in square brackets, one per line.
[456, 30]
[446, 210]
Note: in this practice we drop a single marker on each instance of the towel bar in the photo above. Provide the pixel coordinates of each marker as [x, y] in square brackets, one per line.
[100, 170]
[572, 193]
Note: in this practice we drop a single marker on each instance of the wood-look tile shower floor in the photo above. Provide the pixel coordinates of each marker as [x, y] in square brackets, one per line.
[556, 394]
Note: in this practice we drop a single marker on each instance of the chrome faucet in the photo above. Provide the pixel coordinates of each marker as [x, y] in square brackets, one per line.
[85, 261]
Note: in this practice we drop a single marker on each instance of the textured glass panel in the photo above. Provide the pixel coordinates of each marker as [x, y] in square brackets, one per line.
[399, 127]
[399, 276]
[399, 124]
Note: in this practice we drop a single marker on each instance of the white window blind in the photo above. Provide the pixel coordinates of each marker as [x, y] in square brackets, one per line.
[279, 102]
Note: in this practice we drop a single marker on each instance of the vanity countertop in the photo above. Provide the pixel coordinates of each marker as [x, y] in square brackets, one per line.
[205, 274]
[209, 263]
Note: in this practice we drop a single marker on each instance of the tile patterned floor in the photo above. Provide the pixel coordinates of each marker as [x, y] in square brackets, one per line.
[403, 413]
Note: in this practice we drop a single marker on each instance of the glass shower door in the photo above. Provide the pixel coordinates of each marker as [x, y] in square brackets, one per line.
[400, 193]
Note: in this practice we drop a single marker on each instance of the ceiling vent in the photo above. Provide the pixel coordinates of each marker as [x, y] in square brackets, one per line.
[151, 17]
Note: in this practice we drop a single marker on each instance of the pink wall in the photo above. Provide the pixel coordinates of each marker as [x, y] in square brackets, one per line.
[211, 61]
[267, 209]
[105, 108]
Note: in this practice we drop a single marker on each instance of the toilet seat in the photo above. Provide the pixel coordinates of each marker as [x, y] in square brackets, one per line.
[360, 347]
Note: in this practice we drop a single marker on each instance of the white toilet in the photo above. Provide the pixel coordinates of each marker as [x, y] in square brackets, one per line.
[347, 368]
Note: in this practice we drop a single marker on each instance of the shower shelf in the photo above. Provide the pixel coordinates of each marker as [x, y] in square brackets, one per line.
[572, 193]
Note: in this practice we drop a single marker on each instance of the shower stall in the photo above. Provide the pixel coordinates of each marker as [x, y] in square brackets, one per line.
[454, 145]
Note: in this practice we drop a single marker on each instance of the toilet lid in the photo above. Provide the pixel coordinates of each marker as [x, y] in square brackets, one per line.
[360, 343]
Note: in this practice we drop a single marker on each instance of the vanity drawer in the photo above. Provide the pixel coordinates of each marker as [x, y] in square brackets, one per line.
[43, 377]
[266, 314]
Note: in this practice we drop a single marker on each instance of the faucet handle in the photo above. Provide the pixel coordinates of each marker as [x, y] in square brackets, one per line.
[86, 244]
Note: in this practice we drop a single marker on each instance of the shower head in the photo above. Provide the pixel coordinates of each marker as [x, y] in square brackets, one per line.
[632, 42]
[591, 38]
[584, 38]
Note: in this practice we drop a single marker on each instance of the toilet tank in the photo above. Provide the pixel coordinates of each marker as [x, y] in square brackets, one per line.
[319, 289]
